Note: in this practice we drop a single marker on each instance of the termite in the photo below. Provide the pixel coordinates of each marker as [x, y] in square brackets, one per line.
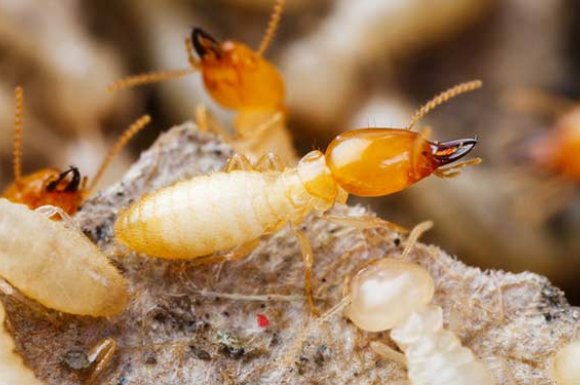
[238, 78]
[395, 294]
[565, 367]
[557, 150]
[56, 265]
[12, 369]
[231, 210]
[66, 190]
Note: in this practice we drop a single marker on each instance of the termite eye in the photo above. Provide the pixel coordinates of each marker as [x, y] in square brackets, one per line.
[204, 43]
[450, 151]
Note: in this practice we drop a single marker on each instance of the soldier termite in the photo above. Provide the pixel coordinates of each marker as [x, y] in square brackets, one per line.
[65, 190]
[394, 294]
[241, 79]
[231, 210]
[57, 266]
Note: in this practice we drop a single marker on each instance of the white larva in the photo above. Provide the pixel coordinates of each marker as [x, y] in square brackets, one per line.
[12, 369]
[566, 364]
[57, 266]
[394, 294]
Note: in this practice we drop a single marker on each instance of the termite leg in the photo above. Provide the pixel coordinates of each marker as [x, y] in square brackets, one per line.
[308, 256]
[270, 162]
[365, 222]
[206, 122]
[388, 353]
[414, 237]
[238, 162]
[233, 255]
[242, 251]
[454, 170]
[50, 211]
[247, 126]
[102, 355]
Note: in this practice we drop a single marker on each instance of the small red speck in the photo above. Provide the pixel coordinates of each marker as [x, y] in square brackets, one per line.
[263, 321]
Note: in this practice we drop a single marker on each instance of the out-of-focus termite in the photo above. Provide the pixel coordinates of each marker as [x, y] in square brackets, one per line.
[66, 190]
[238, 78]
[56, 265]
[394, 294]
[231, 210]
[565, 367]
[557, 149]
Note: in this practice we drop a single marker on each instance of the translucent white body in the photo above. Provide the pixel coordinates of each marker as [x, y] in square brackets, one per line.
[434, 355]
[12, 369]
[394, 294]
[213, 213]
[57, 266]
[566, 365]
[387, 293]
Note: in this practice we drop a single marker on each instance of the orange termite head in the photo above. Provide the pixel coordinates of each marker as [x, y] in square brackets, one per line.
[48, 187]
[376, 162]
[236, 76]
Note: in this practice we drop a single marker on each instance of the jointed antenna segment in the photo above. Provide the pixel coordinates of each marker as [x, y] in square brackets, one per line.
[137, 126]
[148, 78]
[272, 25]
[17, 134]
[442, 98]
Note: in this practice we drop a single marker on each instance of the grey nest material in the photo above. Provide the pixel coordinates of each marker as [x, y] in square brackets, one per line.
[190, 324]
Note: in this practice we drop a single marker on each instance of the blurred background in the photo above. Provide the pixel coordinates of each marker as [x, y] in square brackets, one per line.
[347, 64]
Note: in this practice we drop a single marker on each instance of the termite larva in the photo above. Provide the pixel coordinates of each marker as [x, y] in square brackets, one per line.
[566, 364]
[12, 369]
[233, 209]
[57, 266]
[392, 294]
[65, 190]
[238, 78]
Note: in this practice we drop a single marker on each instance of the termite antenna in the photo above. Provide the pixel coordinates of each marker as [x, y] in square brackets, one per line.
[17, 134]
[149, 78]
[133, 129]
[442, 98]
[272, 25]
[414, 237]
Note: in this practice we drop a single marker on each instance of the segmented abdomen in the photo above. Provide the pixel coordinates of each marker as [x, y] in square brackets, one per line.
[56, 265]
[435, 356]
[206, 214]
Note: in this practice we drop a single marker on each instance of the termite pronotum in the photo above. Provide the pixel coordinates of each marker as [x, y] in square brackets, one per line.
[12, 369]
[65, 190]
[394, 294]
[231, 210]
[57, 266]
[238, 78]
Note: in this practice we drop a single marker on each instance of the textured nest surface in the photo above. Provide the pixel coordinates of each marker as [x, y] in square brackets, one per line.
[191, 324]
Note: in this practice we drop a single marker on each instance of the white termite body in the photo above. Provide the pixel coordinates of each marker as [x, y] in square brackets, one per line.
[12, 369]
[57, 266]
[224, 210]
[566, 364]
[394, 294]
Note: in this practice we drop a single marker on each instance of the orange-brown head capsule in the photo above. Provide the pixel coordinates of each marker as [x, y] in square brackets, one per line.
[560, 150]
[376, 162]
[48, 187]
[236, 76]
